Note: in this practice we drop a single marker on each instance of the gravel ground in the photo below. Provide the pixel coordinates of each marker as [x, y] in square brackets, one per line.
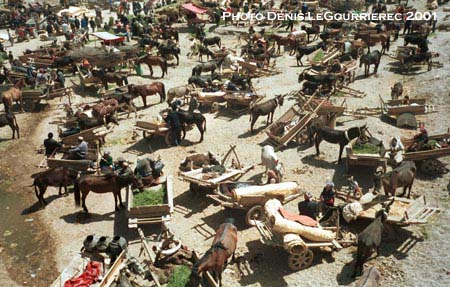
[196, 218]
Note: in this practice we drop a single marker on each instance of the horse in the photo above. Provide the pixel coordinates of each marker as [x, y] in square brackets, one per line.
[329, 80]
[371, 39]
[284, 41]
[148, 90]
[179, 92]
[207, 67]
[110, 77]
[107, 107]
[189, 118]
[314, 30]
[13, 94]
[57, 177]
[203, 50]
[85, 122]
[170, 50]
[266, 108]
[216, 258]
[409, 60]
[306, 50]
[402, 176]
[10, 119]
[211, 41]
[337, 137]
[372, 58]
[125, 103]
[150, 61]
[103, 184]
[200, 80]
[416, 40]
[245, 82]
[396, 90]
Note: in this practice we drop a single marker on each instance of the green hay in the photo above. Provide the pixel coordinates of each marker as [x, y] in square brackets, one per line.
[180, 276]
[365, 149]
[318, 56]
[149, 196]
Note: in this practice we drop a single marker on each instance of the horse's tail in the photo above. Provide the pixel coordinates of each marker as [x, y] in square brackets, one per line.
[193, 71]
[204, 124]
[163, 92]
[76, 192]
[388, 42]
[220, 43]
[165, 66]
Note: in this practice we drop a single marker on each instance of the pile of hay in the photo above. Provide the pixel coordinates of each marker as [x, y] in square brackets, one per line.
[151, 196]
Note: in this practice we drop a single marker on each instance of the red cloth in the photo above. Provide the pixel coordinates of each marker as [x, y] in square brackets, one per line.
[302, 219]
[194, 9]
[89, 276]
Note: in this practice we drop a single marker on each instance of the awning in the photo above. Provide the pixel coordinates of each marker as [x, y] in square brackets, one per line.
[194, 9]
[73, 11]
[106, 36]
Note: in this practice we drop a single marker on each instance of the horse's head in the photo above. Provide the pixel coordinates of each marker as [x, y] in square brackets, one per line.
[212, 159]
[136, 183]
[280, 99]
[195, 278]
[363, 131]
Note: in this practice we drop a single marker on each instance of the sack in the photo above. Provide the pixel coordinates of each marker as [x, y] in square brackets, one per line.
[157, 169]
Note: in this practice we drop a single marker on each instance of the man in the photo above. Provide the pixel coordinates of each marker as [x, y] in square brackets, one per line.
[92, 24]
[121, 168]
[193, 103]
[106, 162]
[143, 167]
[77, 24]
[308, 207]
[84, 22]
[173, 119]
[327, 195]
[61, 78]
[79, 152]
[51, 146]
[396, 150]
[420, 140]
[65, 27]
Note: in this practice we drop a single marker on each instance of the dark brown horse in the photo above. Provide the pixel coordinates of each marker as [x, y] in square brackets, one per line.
[284, 41]
[402, 176]
[372, 58]
[337, 137]
[371, 39]
[216, 258]
[110, 77]
[13, 94]
[10, 119]
[148, 90]
[57, 177]
[266, 108]
[103, 184]
[151, 61]
[105, 108]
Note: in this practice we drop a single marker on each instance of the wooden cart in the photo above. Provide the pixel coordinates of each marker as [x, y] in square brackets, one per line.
[80, 165]
[253, 204]
[78, 264]
[395, 109]
[241, 101]
[151, 214]
[92, 136]
[208, 99]
[33, 97]
[150, 129]
[371, 160]
[197, 178]
[405, 51]
[403, 211]
[327, 57]
[298, 119]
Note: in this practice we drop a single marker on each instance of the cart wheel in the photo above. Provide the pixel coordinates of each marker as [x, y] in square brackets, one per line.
[432, 167]
[302, 138]
[300, 261]
[253, 215]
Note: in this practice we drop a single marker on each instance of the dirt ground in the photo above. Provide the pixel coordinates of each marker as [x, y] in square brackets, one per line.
[412, 256]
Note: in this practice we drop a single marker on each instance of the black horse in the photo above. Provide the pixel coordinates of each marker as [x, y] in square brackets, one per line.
[201, 80]
[210, 66]
[189, 118]
[306, 50]
[211, 41]
[372, 58]
[63, 62]
[337, 137]
[170, 50]
[243, 81]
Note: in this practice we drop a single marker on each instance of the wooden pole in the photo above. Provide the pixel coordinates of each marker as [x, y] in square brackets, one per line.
[146, 249]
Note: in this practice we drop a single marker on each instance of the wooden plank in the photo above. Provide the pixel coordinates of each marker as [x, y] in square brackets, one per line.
[225, 176]
[114, 271]
[149, 255]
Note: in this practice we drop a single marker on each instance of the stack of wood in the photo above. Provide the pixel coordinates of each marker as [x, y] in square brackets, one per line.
[278, 190]
[291, 231]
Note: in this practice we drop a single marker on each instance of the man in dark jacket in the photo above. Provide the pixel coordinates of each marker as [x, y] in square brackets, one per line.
[77, 23]
[173, 119]
[51, 145]
[308, 207]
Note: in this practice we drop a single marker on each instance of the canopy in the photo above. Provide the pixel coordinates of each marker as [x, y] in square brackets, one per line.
[73, 11]
[194, 9]
[106, 36]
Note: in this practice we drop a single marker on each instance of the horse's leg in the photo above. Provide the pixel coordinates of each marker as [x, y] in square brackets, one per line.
[120, 199]
[200, 128]
[115, 193]
[254, 118]
[151, 70]
[410, 187]
[59, 193]
[83, 200]
[317, 141]
[341, 148]
[144, 100]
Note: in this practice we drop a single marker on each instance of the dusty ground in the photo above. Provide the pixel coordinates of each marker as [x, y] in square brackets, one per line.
[414, 256]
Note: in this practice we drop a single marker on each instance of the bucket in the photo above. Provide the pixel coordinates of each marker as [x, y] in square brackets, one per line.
[117, 245]
[90, 242]
[138, 70]
[103, 244]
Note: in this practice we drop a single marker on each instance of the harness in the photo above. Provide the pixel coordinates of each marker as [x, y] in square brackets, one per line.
[346, 135]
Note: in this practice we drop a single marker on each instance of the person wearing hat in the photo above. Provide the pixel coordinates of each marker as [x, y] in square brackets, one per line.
[327, 195]
[79, 152]
[173, 119]
[420, 140]
[353, 186]
[51, 146]
[122, 168]
[106, 162]
[308, 207]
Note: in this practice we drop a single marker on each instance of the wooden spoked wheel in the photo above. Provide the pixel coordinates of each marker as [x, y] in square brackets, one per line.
[300, 261]
[253, 215]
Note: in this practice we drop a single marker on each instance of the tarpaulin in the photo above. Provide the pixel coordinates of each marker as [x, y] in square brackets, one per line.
[105, 36]
[89, 276]
[194, 9]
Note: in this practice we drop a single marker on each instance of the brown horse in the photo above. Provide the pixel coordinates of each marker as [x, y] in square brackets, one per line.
[110, 77]
[148, 90]
[13, 94]
[103, 184]
[10, 119]
[57, 177]
[216, 258]
[402, 176]
[150, 61]
[371, 39]
[284, 41]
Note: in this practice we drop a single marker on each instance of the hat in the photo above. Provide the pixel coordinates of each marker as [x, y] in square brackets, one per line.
[120, 159]
[107, 152]
[308, 195]
[125, 163]
[216, 82]
[80, 138]
[329, 182]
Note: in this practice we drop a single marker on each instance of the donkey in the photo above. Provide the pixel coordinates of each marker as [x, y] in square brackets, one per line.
[58, 177]
[396, 90]
[402, 176]
[189, 118]
[338, 137]
[14, 94]
[372, 58]
[10, 119]
[198, 160]
[266, 108]
[216, 258]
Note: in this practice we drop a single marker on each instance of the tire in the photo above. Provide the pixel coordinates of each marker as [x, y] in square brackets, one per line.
[297, 262]
[253, 215]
